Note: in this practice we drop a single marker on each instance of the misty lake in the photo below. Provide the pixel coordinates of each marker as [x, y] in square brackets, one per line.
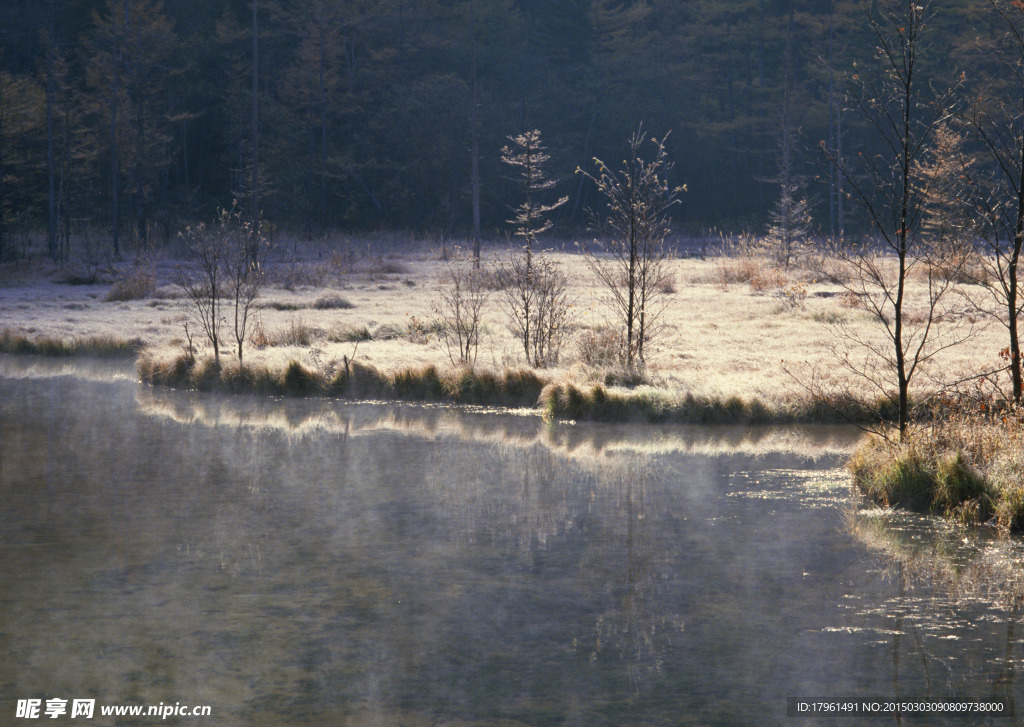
[321, 562]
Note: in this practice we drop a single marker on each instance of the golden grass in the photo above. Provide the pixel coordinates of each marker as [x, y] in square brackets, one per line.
[600, 403]
[105, 346]
[968, 468]
[518, 388]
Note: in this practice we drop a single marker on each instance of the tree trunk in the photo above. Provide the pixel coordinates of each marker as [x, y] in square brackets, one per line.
[51, 190]
[115, 162]
[3, 201]
[254, 212]
[1012, 293]
[323, 128]
[475, 124]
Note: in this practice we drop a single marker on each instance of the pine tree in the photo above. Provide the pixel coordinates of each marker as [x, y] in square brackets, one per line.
[534, 293]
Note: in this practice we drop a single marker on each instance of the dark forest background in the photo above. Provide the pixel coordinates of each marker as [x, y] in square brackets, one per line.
[143, 111]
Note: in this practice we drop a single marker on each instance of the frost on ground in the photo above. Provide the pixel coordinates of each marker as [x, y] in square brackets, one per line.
[731, 327]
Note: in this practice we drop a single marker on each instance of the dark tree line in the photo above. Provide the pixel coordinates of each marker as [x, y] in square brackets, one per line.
[134, 116]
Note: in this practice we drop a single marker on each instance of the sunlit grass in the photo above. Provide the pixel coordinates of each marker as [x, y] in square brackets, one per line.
[105, 346]
[514, 388]
[732, 347]
[969, 470]
[597, 402]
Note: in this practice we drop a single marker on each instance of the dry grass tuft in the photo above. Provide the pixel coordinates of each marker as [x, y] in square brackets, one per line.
[11, 342]
[332, 302]
[298, 333]
[383, 266]
[350, 334]
[567, 401]
[135, 283]
[757, 271]
[967, 465]
[514, 388]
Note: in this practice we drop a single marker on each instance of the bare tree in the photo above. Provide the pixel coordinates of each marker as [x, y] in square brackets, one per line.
[226, 261]
[243, 275]
[462, 296]
[904, 111]
[254, 162]
[632, 264]
[998, 191]
[790, 225]
[529, 156]
[474, 121]
[201, 281]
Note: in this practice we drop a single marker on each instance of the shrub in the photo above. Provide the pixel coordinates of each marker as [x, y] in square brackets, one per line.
[537, 304]
[460, 305]
[135, 283]
[332, 302]
[600, 347]
[350, 334]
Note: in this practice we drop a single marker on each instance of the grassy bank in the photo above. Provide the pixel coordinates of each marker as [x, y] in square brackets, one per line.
[969, 469]
[514, 388]
[106, 346]
[598, 403]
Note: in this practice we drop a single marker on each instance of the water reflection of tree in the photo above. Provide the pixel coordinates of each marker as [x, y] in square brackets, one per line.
[960, 570]
[634, 622]
[534, 501]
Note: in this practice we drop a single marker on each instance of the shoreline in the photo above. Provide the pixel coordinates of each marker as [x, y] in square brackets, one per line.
[519, 388]
[928, 475]
[743, 343]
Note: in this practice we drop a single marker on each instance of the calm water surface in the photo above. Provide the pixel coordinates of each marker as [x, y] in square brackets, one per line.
[310, 562]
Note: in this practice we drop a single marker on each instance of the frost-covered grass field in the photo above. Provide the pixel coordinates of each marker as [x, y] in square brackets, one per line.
[733, 326]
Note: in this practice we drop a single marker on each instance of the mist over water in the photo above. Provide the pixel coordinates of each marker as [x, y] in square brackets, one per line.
[316, 562]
